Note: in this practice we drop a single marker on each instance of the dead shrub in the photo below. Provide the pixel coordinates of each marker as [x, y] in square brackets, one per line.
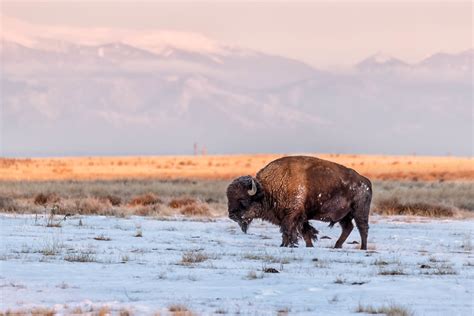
[180, 202]
[8, 204]
[391, 310]
[190, 257]
[89, 206]
[113, 199]
[145, 199]
[46, 198]
[394, 207]
[147, 210]
[196, 209]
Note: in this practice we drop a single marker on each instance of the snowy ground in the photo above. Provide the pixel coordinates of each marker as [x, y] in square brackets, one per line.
[424, 265]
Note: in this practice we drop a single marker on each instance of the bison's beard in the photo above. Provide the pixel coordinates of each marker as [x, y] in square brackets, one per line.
[244, 224]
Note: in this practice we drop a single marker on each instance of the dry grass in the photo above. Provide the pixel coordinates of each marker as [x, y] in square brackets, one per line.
[48, 198]
[80, 257]
[190, 257]
[390, 310]
[145, 199]
[180, 202]
[9, 205]
[88, 206]
[148, 210]
[179, 310]
[392, 271]
[46, 311]
[393, 206]
[36, 311]
[225, 167]
[201, 198]
[196, 209]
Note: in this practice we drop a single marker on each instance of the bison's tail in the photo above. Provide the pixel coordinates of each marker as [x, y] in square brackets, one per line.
[331, 224]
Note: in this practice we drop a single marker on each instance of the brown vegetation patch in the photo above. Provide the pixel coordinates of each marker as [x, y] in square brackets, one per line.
[46, 198]
[145, 199]
[180, 202]
[147, 210]
[8, 204]
[196, 209]
[113, 199]
[88, 206]
[394, 207]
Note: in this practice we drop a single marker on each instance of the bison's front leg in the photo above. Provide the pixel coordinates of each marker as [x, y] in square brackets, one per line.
[284, 239]
[290, 228]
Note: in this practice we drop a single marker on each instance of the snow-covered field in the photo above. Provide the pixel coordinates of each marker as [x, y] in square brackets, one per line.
[211, 267]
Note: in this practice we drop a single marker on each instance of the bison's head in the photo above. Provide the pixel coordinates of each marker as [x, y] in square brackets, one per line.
[244, 197]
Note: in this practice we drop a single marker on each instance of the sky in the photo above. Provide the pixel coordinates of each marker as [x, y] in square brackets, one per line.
[320, 33]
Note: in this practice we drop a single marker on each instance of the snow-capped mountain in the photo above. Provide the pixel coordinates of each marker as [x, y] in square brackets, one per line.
[462, 61]
[381, 62]
[61, 97]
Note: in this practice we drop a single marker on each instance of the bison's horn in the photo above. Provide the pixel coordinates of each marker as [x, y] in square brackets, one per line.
[254, 188]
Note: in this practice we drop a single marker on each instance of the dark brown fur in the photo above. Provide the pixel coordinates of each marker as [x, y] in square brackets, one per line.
[293, 190]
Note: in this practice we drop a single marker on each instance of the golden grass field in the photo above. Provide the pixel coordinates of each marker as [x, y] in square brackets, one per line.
[413, 168]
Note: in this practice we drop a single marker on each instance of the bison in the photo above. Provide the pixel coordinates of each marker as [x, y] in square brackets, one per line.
[290, 191]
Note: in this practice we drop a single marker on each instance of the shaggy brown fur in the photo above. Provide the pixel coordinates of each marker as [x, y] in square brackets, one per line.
[290, 191]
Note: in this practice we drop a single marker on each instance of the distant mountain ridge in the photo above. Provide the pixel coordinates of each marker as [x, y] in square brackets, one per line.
[61, 98]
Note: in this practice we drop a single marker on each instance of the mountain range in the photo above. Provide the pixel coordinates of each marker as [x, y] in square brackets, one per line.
[63, 98]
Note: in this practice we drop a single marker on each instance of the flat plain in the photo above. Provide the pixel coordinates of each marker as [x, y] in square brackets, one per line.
[150, 236]
[417, 168]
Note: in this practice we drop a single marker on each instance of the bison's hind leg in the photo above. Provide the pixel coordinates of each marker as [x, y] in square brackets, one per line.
[347, 226]
[309, 233]
[361, 217]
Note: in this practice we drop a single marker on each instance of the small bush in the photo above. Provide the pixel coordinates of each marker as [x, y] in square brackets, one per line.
[145, 199]
[113, 199]
[394, 207]
[180, 202]
[90, 206]
[8, 204]
[48, 198]
[196, 209]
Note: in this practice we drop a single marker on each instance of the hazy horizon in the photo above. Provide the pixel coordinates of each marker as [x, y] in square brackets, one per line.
[236, 77]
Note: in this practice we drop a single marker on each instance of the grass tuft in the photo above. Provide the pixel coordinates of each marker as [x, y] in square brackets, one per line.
[390, 310]
[194, 256]
[80, 257]
[179, 310]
